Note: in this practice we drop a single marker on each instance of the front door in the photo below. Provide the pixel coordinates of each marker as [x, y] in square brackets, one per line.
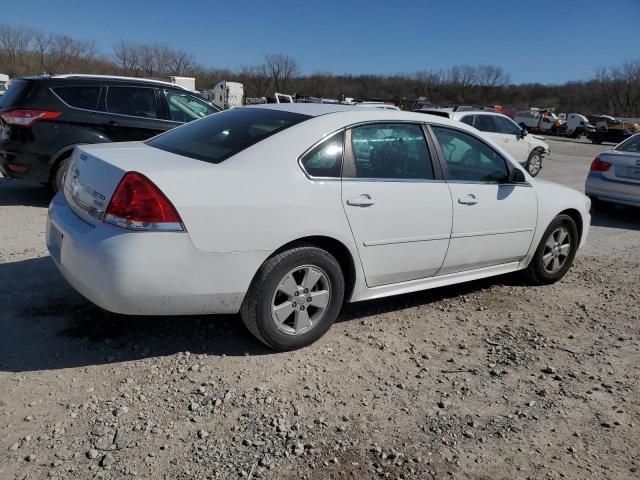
[398, 210]
[493, 220]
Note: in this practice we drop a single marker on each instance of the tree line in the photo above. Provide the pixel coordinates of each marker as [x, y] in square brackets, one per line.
[614, 90]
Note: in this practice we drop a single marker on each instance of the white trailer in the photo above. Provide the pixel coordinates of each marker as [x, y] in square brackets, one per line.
[227, 94]
[186, 82]
[4, 83]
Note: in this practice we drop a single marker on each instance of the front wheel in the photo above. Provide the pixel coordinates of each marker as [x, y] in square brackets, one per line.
[555, 253]
[294, 298]
[534, 163]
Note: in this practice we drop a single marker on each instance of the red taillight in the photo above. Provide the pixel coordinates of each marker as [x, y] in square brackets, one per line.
[138, 204]
[26, 118]
[599, 166]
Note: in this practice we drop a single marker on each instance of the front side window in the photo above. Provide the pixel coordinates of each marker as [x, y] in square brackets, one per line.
[506, 126]
[217, 137]
[391, 151]
[85, 97]
[185, 108]
[325, 159]
[132, 101]
[631, 145]
[470, 159]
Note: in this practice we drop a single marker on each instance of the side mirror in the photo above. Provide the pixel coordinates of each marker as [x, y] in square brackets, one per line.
[517, 176]
[523, 133]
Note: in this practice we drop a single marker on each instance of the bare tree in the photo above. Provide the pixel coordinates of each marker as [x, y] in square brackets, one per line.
[281, 68]
[256, 79]
[14, 47]
[42, 41]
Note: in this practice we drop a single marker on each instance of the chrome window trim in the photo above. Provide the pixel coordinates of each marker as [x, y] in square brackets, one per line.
[323, 139]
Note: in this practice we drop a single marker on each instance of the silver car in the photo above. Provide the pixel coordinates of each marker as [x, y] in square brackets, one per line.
[615, 176]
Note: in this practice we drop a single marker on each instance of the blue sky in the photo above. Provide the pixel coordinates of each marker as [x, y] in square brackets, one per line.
[546, 41]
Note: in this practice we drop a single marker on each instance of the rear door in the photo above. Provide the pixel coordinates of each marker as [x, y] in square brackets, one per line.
[397, 204]
[132, 113]
[493, 220]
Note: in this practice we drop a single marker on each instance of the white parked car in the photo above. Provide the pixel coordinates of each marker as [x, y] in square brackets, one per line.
[614, 177]
[283, 212]
[527, 149]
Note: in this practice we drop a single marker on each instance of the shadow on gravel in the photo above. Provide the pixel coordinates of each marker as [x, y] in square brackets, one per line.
[46, 325]
[15, 192]
[624, 218]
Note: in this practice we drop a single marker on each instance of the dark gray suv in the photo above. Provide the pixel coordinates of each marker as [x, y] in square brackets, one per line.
[43, 118]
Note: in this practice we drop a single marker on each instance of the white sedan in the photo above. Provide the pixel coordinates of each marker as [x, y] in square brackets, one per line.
[283, 212]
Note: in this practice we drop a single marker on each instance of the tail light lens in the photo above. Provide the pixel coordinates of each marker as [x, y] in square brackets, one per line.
[600, 166]
[137, 204]
[26, 118]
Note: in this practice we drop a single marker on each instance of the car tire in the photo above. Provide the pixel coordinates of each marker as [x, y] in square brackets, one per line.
[57, 182]
[543, 269]
[285, 315]
[534, 163]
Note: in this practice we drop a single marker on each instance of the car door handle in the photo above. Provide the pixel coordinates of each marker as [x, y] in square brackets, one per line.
[363, 200]
[506, 140]
[468, 199]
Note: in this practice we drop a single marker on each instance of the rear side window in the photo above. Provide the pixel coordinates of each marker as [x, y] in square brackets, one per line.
[325, 159]
[79, 97]
[132, 101]
[17, 90]
[468, 120]
[217, 137]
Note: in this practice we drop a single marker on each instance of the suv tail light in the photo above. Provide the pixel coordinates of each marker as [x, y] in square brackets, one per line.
[600, 166]
[137, 204]
[26, 118]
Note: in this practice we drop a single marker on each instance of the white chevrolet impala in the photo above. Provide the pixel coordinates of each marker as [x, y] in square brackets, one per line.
[284, 212]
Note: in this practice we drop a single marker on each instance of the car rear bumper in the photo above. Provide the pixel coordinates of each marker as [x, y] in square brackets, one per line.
[23, 165]
[146, 273]
[624, 193]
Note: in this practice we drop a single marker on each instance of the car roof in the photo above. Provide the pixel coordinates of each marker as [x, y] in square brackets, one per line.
[116, 78]
[311, 109]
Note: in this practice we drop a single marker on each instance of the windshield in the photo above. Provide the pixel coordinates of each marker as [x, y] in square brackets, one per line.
[218, 137]
[631, 145]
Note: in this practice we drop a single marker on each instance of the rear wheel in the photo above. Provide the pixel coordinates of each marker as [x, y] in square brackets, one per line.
[295, 298]
[57, 182]
[534, 163]
[555, 253]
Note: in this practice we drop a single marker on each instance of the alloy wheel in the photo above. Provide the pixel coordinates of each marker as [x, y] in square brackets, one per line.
[556, 250]
[535, 164]
[300, 300]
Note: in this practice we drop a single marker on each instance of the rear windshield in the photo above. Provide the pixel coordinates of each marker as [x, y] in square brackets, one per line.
[221, 135]
[16, 90]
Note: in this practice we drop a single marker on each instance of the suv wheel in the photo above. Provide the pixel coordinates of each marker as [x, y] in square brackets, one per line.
[294, 298]
[57, 182]
[534, 163]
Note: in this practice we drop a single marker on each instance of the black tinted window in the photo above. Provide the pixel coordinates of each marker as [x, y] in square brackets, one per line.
[79, 97]
[391, 150]
[133, 101]
[506, 126]
[218, 137]
[325, 159]
[468, 120]
[16, 91]
[468, 158]
[486, 123]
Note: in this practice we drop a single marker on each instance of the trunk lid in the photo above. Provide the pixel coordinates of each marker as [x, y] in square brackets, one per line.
[96, 170]
[626, 166]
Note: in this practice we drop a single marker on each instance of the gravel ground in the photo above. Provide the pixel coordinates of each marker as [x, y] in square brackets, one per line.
[486, 380]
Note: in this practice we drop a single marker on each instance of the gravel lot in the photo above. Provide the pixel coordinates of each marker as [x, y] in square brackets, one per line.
[486, 380]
